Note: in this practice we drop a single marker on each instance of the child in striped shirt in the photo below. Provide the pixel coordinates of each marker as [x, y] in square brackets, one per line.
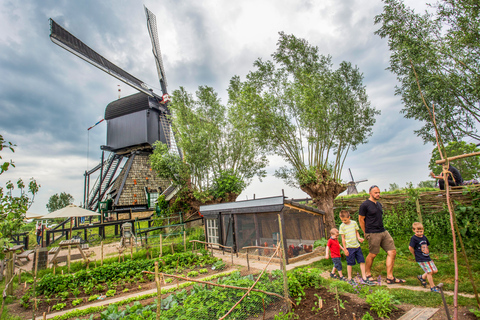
[351, 240]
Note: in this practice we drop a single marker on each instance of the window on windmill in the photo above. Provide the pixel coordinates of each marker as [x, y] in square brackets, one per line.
[152, 199]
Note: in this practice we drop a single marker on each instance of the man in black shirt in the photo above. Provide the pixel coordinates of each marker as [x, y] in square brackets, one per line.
[371, 221]
[454, 179]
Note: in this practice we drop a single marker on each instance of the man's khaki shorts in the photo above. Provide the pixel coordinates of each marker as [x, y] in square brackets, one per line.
[379, 240]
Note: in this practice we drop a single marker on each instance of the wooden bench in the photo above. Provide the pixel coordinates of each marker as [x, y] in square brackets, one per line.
[24, 254]
[53, 250]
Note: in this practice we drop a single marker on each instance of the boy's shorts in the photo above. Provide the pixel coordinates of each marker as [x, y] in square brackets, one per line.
[428, 266]
[380, 240]
[354, 254]
[337, 263]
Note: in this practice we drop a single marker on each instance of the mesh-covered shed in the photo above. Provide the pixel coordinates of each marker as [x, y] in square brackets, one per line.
[254, 223]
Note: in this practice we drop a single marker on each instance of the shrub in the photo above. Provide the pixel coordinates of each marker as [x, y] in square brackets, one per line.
[59, 306]
[110, 293]
[381, 302]
[76, 302]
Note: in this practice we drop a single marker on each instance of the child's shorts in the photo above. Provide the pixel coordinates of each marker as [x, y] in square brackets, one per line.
[355, 254]
[428, 266]
[337, 263]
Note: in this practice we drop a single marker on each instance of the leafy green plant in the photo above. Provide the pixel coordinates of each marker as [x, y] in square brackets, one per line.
[110, 293]
[286, 316]
[192, 274]
[320, 243]
[381, 302]
[219, 265]
[93, 297]
[76, 302]
[76, 292]
[59, 306]
[203, 271]
[25, 300]
[63, 295]
[125, 290]
[367, 316]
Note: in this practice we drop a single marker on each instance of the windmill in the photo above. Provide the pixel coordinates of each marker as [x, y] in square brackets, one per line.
[134, 124]
[352, 185]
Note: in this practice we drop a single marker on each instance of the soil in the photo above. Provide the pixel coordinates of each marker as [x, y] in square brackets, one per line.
[354, 307]
[463, 314]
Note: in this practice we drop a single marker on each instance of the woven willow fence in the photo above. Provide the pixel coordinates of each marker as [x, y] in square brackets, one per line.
[428, 202]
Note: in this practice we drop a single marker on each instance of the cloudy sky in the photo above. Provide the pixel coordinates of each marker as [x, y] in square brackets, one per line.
[49, 97]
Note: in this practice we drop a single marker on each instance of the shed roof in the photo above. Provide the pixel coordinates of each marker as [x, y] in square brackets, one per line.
[272, 204]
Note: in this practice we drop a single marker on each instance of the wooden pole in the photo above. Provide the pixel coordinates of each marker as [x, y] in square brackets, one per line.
[68, 257]
[419, 211]
[19, 276]
[7, 272]
[171, 245]
[284, 266]
[101, 252]
[35, 282]
[131, 250]
[248, 262]
[159, 291]
[184, 241]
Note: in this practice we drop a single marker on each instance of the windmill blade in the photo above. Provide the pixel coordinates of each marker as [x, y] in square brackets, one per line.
[351, 175]
[69, 42]
[152, 30]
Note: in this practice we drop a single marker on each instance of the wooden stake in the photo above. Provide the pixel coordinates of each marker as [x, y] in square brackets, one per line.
[131, 250]
[419, 211]
[35, 282]
[248, 263]
[19, 276]
[44, 316]
[284, 265]
[101, 252]
[161, 245]
[184, 241]
[171, 245]
[68, 257]
[159, 291]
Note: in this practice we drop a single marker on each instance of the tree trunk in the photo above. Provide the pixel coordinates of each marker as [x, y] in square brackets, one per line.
[323, 193]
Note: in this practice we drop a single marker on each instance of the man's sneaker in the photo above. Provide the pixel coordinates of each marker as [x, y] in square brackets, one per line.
[368, 282]
[422, 281]
[435, 289]
[333, 275]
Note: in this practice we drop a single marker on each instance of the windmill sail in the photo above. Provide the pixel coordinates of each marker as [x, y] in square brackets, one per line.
[69, 42]
[152, 30]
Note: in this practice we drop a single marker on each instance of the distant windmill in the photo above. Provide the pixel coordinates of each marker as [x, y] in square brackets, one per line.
[134, 124]
[352, 185]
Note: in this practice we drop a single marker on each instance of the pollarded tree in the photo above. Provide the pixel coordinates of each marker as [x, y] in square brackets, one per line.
[444, 49]
[468, 167]
[59, 201]
[309, 114]
[220, 153]
[13, 203]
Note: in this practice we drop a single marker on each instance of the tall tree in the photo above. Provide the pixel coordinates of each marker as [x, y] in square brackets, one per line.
[468, 167]
[13, 203]
[443, 47]
[221, 154]
[307, 113]
[59, 201]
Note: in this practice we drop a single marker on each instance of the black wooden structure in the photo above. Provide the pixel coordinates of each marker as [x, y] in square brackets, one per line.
[255, 223]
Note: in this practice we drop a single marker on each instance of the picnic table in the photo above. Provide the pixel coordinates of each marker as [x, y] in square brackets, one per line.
[68, 243]
[20, 253]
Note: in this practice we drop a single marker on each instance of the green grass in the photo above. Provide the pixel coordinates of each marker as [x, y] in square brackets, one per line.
[406, 268]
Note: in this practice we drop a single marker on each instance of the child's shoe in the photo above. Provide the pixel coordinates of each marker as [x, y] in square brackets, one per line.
[368, 282]
[435, 289]
[422, 281]
[352, 282]
[342, 279]
[333, 275]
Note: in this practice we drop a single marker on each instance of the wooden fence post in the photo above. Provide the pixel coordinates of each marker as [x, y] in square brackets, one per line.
[284, 267]
[159, 291]
[101, 249]
[68, 258]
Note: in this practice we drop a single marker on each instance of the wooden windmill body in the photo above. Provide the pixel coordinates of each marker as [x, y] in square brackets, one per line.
[134, 124]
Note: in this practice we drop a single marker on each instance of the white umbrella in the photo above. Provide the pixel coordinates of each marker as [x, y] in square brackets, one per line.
[31, 215]
[70, 211]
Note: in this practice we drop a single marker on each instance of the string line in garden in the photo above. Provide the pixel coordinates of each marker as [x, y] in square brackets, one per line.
[254, 284]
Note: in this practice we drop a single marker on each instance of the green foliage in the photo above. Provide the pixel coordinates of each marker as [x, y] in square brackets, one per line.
[13, 204]
[76, 302]
[203, 271]
[427, 184]
[59, 306]
[468, 167]
[219, 265]
[320, 243]
[59, 201]
[93, 297]
[381, 302]
[286, 316]
[192, 274]
[367, 316]
[220, 152]
[393, 187]
[444, 49]
[110, 293]
[476, 312]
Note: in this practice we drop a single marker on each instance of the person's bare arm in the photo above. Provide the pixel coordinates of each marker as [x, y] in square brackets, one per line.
[326, 252]
[434, 176]
[344, 245]
[411, 250]
[360, 239]
[361, 221]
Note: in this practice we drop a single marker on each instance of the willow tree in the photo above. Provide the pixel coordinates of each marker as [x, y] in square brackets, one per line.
[442, 46]
[221, 154]
[307, 113]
